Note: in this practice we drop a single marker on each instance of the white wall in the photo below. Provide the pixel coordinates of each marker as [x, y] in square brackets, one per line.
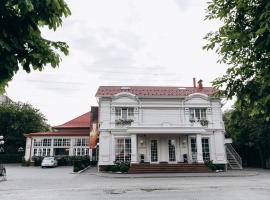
[160, 112]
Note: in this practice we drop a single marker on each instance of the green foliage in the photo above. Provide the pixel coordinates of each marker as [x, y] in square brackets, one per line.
[25, 163]
[10, 158]
[81, 163]
[17, 119]
[243, 42]
[37, 160]
[118, 167]
[213, 166]
[250, 135]
[21, 41]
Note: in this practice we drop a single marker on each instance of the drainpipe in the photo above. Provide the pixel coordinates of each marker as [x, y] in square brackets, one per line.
[31, 149]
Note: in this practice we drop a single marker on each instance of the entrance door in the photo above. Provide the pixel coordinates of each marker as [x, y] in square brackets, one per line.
[171, 145]
[154, 150]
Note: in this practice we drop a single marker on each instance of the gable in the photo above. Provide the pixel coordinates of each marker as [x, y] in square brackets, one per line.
[197, 100]
[124, 99]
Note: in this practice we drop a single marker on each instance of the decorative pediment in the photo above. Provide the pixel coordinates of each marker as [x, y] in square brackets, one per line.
[197, 99]
[125, 98]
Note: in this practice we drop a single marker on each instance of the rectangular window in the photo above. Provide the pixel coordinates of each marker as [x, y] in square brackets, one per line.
[124, 113]
[35, 152]
[193, 147]
[171, 144]
[44, 152]
[39, 152]
[205, 149]
[123, 149]
[37, 142]
[46, 142]
[48, 152]
[154, 151]
[197, 113]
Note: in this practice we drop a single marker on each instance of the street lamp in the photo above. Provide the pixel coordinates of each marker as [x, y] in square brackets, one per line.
[2, 142]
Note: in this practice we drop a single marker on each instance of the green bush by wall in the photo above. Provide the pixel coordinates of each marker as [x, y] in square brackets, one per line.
[11, 158]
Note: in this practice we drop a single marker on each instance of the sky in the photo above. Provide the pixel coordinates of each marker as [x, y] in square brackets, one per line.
[120, 42]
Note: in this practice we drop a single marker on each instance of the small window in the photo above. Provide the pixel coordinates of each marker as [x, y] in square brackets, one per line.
[197, 113]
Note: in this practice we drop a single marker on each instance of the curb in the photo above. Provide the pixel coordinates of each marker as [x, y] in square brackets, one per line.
[126, 176]
[81, 171]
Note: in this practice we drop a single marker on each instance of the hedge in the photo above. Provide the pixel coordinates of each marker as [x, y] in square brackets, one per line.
[11, 158]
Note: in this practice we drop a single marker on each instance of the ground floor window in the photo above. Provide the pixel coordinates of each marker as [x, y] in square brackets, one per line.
[122, 149]
[80, 151]
[205, 149]
[193, 147]
[171, 144]
[41, 152]
[154, 151]
[60, 151]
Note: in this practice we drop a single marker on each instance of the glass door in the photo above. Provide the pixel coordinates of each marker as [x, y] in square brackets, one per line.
[154, 150]
[205, 149]
[171, 144]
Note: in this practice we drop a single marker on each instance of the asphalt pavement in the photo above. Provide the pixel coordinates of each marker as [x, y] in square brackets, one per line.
[27, 183]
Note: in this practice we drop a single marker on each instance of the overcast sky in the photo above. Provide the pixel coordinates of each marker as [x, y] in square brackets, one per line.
[120, 42]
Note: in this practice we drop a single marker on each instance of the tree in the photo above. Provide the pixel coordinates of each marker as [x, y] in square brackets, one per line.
[17, 119]
[243, 42]
[250, 136]
[21, 41]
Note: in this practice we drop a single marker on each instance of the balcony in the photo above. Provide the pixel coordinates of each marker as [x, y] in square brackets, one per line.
[123, 122]
[202, 122]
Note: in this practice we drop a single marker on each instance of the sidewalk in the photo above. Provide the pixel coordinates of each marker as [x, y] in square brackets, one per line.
[229, 173]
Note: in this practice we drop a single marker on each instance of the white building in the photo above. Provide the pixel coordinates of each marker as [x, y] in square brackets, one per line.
[153, 125]
[69, 139]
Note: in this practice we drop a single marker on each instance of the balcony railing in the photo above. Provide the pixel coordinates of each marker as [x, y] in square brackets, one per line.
[123, 122]
[202, 122]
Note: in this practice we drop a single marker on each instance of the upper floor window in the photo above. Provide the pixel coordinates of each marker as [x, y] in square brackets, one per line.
[197, 113]
[124, 113]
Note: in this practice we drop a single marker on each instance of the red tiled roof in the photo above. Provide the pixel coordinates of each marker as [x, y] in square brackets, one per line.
[82, 121]
[153, 90]
[57, 134]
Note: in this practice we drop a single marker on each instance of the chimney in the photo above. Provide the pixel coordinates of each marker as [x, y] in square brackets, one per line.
[200, 85]
[194, 82]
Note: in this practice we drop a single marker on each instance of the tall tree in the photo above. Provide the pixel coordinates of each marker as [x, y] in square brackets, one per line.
[250, 136]
[17, 119]
[243, 42]
[21, 41]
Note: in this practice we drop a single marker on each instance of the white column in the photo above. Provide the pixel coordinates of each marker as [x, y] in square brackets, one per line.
[134, 149]
[199, 148]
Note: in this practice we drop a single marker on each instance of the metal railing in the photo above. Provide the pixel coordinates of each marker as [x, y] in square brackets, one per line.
[234, 154]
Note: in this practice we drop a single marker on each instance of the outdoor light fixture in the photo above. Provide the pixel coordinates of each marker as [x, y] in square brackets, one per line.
[2, 140]
[141, 141]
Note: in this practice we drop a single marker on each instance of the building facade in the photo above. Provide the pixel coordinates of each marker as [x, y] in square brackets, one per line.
[69, 139]
[160, 125]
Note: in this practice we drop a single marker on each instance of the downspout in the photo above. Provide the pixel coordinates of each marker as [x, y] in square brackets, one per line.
[31, 149]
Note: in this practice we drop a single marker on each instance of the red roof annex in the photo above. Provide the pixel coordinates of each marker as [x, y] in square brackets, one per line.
[82, 121]
[104, 91]
[79, 126]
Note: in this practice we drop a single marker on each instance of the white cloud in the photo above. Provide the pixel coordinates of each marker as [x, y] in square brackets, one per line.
[120, 42]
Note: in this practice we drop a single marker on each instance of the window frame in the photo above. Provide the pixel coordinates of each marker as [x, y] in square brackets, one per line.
[129, 113]
[122, 151]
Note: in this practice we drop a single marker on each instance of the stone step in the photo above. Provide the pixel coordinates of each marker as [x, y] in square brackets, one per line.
[168, 168]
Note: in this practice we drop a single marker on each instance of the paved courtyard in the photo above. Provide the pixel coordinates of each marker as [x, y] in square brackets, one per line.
[26, 183]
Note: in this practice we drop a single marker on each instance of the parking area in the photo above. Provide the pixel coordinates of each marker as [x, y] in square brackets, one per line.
[60, 183]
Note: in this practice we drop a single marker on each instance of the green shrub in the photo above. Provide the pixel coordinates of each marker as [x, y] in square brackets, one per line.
[213, 166]
[37, 160]
[80, 163]
[124, 167]
[25, 163]
[115, 168]
[11, 158]
[118, 167]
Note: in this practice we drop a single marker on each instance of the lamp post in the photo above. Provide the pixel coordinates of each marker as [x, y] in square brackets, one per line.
[2, 142]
